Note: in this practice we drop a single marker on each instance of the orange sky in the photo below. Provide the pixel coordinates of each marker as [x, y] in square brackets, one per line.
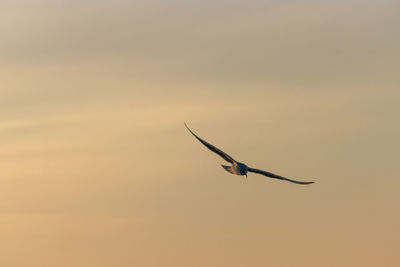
[98, 169]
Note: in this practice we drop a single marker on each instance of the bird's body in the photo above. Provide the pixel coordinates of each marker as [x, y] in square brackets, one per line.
[239, 168]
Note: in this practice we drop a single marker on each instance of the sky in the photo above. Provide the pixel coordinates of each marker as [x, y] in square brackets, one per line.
[97, 168]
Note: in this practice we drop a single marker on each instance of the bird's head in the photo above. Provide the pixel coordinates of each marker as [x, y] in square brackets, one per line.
[242, 169]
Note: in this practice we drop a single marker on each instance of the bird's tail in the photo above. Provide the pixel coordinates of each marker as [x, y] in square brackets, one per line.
[227, 168]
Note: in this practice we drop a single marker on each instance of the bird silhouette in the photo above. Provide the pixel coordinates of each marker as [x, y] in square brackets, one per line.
[239, 168]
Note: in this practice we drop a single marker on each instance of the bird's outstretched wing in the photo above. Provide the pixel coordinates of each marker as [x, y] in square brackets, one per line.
[276, 176]
[213, 148]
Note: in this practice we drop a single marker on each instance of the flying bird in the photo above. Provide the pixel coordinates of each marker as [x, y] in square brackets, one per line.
[238, 167]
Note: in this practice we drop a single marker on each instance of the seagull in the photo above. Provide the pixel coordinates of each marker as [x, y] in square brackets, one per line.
[237, 167]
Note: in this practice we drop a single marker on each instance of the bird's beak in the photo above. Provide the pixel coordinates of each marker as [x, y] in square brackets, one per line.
[246, 175]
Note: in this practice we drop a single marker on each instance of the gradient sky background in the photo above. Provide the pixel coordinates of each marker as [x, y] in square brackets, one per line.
[98, 170]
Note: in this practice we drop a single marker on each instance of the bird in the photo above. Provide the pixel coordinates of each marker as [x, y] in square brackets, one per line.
[237, 167]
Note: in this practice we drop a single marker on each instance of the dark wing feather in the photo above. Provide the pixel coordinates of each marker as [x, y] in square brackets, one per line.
[213, 148]
[276, 176]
